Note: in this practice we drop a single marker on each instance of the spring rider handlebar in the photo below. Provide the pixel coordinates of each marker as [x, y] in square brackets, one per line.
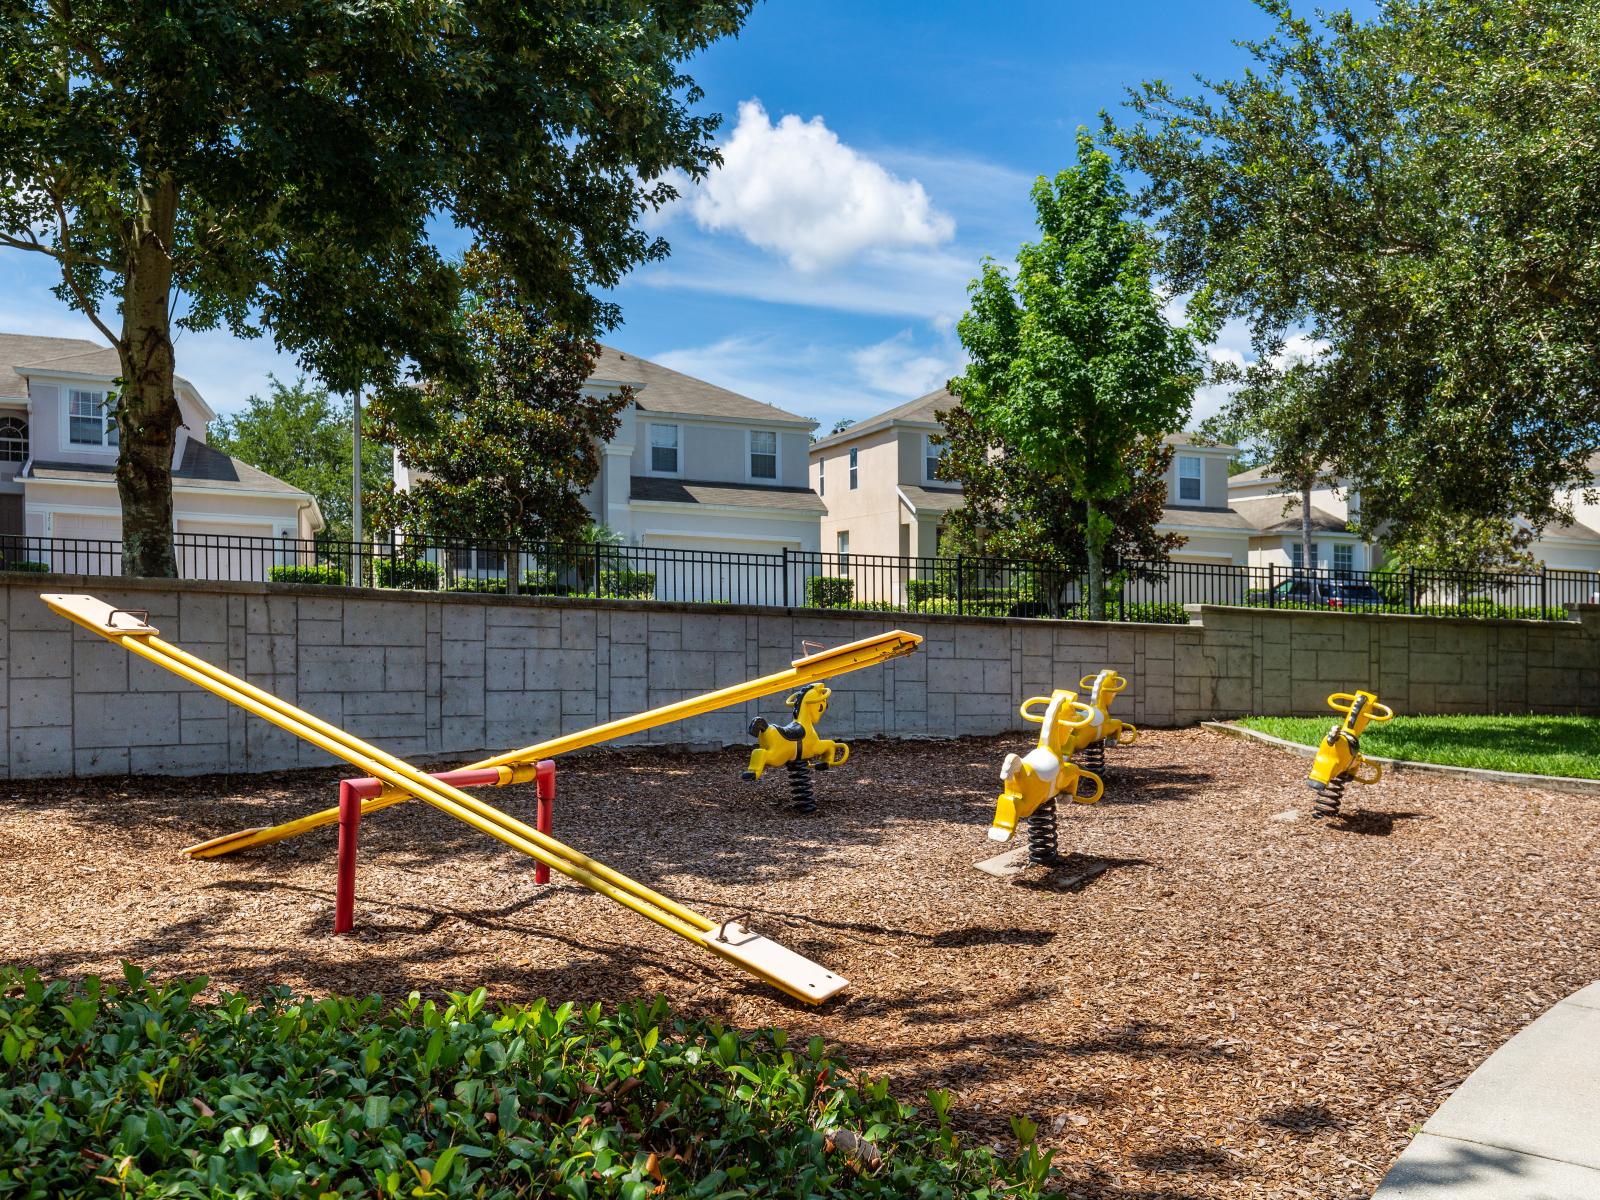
[797, 746]
[1031, 782]
[1339, 759]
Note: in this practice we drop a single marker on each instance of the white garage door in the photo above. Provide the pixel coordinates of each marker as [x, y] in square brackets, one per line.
[225, 550]
[733, 571]
[86, 544]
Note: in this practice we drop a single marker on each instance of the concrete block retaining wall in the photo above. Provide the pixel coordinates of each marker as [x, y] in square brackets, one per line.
[435, 676]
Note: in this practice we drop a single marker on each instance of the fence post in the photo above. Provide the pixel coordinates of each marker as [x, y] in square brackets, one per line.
[1544, 592]
[1272, 585]
[1411, 591]
[785, 591]
[960, 604]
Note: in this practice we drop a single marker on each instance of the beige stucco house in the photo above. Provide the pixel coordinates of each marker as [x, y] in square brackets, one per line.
[879, 480]
[58, 453]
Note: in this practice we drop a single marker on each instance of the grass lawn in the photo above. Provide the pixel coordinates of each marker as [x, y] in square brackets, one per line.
[1533, 745]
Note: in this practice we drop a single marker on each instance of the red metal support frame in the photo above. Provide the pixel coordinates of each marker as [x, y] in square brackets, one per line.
[351, 793]
[544, 820]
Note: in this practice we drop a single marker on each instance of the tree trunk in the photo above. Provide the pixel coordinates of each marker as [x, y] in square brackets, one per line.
[1307, 561]
[147, 413]
[1095, 551]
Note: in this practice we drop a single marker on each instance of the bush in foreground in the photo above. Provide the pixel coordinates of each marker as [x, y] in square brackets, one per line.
[138, 1091]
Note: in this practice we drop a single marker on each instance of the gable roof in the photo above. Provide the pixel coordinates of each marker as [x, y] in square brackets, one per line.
[1269, 515]
[663, 390]
[1197, 443]
[692, 491]
[24, 352]
[920, 411]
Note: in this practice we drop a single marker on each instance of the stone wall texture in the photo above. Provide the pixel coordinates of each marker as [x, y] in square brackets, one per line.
[455, 677]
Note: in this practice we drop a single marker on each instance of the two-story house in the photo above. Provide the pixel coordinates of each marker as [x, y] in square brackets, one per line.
[880, 481]
[58, 454]
[701, 475]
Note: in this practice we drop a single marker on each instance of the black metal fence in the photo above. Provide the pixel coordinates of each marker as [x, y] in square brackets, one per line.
[969, 586]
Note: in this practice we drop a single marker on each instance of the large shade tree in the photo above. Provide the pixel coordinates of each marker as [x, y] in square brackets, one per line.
[1421, 192]
[1073, 362]
[277, 167]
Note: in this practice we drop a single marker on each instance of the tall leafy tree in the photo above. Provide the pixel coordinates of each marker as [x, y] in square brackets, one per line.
[301, 433]
[1011, 510]
[276, 167]
[1420, 190]
[1072, 361]
[507, 455]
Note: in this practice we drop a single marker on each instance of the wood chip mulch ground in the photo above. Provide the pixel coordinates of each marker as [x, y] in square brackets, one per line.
[1242, 1005]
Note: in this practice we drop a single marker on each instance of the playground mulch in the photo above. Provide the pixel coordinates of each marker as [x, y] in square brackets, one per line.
[1244, 1004]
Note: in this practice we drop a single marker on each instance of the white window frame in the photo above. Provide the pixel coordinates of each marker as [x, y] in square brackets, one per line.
[104, 446]
[855, 468]
[1199, 478]
[932, 454]
[841, 542]
[1346, 551]
[822, 476]
[1296, 554]
[750, 457]
[650, 448]
[17, 415]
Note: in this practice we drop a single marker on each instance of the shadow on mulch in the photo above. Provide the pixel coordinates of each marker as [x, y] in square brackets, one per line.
[1374, 824]
[1302, 1118]
[1043, 879]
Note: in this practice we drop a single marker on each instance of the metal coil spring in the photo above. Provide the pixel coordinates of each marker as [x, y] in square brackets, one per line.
[1094, 759]
[802, 796]
[1325, 803]
[1042, 848]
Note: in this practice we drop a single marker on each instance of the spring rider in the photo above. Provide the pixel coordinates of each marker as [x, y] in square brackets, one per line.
[1089, 742]
[1339, 758]
[1034, 780]
[797, 747]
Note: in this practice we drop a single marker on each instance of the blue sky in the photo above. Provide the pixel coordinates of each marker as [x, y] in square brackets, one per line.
[875, 153]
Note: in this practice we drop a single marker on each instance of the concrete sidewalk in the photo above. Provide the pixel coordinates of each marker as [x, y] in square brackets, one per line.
[1524, 1126]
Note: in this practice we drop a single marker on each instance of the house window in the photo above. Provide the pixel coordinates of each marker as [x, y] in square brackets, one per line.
[844, 547]
[1344, 558]
[1190, 470]
[763, 454]
[1298, 552]
[664, 449]
[13, 439]
[854, 464]
[89, 419]
[932, 457]
[822, 477]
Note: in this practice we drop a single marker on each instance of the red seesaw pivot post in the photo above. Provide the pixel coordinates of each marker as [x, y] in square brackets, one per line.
[545, 817]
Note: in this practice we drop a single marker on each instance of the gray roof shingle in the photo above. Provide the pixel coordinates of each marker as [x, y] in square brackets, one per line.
[920, 411]
[663, 390]
[201, 464]
[694, 491]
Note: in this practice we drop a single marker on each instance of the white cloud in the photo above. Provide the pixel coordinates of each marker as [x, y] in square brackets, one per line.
[899, 367]
[793, 188]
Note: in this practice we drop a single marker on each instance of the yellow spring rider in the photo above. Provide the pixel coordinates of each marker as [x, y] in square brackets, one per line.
[1089, 742]
[1033, 781]
[797, 746]
[1339, 758]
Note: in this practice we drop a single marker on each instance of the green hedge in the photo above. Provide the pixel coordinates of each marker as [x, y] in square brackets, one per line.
[415, 573]
[139, 1091]
[32, 568]
[623, 584]
[324, 575]
[829, 591]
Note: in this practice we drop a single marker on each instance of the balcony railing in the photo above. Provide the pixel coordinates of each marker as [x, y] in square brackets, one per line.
[961, 585]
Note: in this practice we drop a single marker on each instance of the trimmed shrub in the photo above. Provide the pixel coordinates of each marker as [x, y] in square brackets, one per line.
[623, 584]
[139, 1091]
[829, 591]
[487, 587]
[324, 575]
[27, 566]
[414, 573]
[919, 591]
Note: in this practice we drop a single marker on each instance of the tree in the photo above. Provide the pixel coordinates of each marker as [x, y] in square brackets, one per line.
[301, 434]
[508, 455]
[1010, 510]
[1072, 361]
[1421, 192]
[273, 167]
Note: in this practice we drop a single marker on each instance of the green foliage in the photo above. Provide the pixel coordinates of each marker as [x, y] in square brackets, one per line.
[625, 584]
[1529, 744]
[281, 167]
[829, 591]
[415, 573]
[509, 453]
[1073, 362]
[302, 435]
[26, 565]
[138, 1091]
[1418, 191]
[307, 574]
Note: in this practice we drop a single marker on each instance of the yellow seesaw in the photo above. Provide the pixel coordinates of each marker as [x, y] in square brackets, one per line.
[760, 956]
